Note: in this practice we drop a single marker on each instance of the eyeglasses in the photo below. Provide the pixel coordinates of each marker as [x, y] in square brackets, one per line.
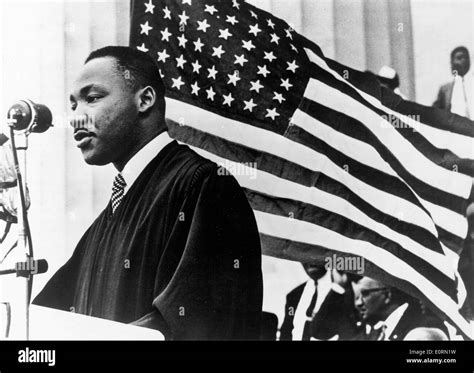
[366, 292]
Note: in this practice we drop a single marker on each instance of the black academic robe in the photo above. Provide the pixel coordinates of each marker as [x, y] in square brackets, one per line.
[180, 254]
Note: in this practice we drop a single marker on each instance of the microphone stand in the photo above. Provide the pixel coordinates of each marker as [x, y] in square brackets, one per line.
[24, 237]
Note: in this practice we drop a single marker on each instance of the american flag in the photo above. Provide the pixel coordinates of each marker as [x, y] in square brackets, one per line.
[330, 161]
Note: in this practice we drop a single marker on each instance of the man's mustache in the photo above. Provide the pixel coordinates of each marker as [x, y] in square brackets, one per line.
[81, 122]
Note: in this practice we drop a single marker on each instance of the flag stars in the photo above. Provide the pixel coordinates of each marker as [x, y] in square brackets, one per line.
[270, 24]
[218, 51]
[275, 38]
[286, 84]
[210, 94]
[212, 72]
[187, 2]
[224, 34]
[272, 114]
[256, 86]
[269, 56]
[183, 18]
[234, 78]
[196, 66]
[249, 105]
[210, 9]
[278, 97]
[180, 61]
[248, 45]
[198, 45]
[240, 60]
[235, 4]
[254, 29]
[294, 48]
[203, 25]
[177, 83]
[252, 13]
[145, 28]
[232, 20]
[149, 7]
[228, 99]
[167, 13]
[182, 41]
[165, 35]
[288, 33]
[195, 89]
[142, 48]
[163, 56]
[292, 66]
[262, 70]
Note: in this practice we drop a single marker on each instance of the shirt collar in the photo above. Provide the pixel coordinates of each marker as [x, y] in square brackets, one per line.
[143, 157]
[392, 320]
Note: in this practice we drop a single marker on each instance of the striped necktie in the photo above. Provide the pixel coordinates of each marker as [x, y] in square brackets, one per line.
[118, 190]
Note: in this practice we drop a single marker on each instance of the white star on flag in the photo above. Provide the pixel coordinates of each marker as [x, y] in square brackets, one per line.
[182, 41]
[234, 78]
[254, 29]
[272, 114]
[275, 38]
[256, 86]
[210, 9]
[218, 51]
[145, 28]
[187, 2]
[149, 7]
[212, 72]
[286, 84]
[249, 105]
[248, 45]
[167, 13]
[262, 70]
[279, 97]
[232, 20]
[235, 4]
[142, 48]
[224, 34]
[270, 23]
[240, 60]
[177, 83]
[269, 56]
[163, 56]
[183, 18]
[292, 66]
[203, 25]
[195, 88]
[165, 35]
[198, 45]
[181, 61]
[210, 94]
[196, 66]
[228, 99]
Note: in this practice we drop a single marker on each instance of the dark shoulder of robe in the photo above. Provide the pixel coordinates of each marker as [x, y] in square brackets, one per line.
[180, 254]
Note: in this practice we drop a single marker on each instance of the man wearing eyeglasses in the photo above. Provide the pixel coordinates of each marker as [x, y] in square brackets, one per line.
[388, 313]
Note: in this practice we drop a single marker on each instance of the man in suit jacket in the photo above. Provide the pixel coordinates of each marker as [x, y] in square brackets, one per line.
[389, 313]
[320, 308]
[451, 99]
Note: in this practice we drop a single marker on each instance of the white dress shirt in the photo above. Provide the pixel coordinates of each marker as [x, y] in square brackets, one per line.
[143, 157]
[392, 321]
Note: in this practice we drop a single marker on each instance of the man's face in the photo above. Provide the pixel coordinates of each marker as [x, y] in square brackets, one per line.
[314, 271]
[101, 94]
[370, 299]
[461, 63]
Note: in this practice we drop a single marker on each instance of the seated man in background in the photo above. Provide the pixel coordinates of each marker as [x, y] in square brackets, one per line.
[388, 313]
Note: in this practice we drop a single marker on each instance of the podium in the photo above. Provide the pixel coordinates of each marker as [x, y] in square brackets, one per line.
[51, 324]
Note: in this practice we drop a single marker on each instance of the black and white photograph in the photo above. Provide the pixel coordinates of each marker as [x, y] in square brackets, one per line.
[294, 176]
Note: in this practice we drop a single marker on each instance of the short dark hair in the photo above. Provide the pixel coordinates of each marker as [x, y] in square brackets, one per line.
[138, 68]
[459, 49]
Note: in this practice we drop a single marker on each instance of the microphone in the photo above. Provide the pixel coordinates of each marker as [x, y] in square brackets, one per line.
[25, 269]
[27, 115]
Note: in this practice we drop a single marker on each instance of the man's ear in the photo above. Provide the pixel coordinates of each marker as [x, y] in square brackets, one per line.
[146, 99]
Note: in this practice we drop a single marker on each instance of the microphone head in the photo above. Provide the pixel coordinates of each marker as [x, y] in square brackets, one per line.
[42, 265]
[30, 116]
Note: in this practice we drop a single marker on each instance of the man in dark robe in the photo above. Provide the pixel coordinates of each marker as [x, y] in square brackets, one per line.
[177, 247]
